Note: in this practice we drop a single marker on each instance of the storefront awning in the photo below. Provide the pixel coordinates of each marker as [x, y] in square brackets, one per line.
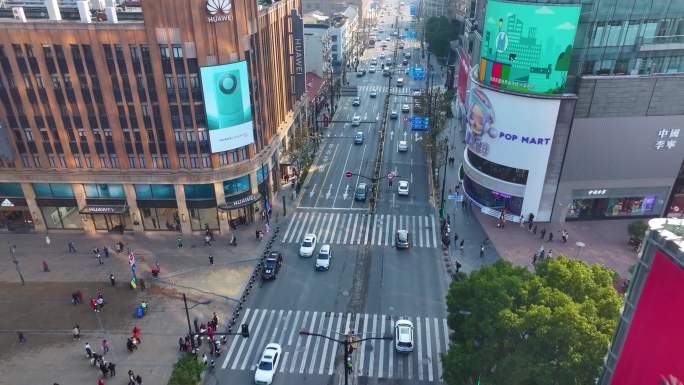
[240, 202]
[104, 209]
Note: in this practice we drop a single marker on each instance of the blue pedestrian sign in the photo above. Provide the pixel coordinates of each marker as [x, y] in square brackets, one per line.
[419, 123]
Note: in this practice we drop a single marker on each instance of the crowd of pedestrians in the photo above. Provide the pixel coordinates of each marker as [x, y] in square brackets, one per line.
[545, 236]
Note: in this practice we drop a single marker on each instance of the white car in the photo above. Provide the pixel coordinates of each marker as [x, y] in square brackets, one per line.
[268, 364]
[323, 258]
[403, 187]
[356, 121]
[405, 108]
[308, 245]
[371, 69]
[403, 336]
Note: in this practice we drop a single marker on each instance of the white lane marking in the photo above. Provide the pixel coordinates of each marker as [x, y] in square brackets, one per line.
[387, 230]
[374, 227]
[438, 350]
[334, 345]
[372, 343]
[428, 351]
[390, 366]
[294, 327]
[279, 321]
[356, 218]
[327, 195]
[289, 226]
[327, 341]
[419, 344]
[284, 363]
[312, 328]
[251, 330]
[394, 226]
[234, 342]
[313, 189]
[262, 336]
[371, 219]
[446, 334]
[381, 358]
[427, 232]
[363, 345]
[299, 342]
[420, 231]
[366, 222]
[342, 176]
[434, 232]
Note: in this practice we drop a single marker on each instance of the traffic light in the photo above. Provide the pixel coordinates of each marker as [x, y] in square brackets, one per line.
[244, 330]
[348, 174]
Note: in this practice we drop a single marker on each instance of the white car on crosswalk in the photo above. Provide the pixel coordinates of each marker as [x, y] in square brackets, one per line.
[403, 336]
[308, 245]
[268, 364]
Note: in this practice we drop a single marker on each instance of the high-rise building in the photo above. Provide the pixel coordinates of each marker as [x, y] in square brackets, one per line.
[572, 109]
[171, 116]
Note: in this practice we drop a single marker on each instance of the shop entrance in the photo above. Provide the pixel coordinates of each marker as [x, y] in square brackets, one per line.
[241, 210]
[16, 219]
[109, 218]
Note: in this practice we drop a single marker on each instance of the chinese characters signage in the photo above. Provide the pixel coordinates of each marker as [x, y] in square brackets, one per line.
[666, 139]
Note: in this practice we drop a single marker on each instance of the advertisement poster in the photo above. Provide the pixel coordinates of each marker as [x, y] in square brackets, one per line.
[298, 54]
[652, 353]
[527, 47]
[227, 104]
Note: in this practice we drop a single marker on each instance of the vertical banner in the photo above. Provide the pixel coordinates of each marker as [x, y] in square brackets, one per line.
[298, 54]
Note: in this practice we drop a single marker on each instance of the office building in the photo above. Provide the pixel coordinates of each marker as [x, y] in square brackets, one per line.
[576, 114]
[167, 117]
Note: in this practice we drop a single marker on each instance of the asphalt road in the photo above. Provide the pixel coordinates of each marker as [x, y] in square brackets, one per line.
[370, 284]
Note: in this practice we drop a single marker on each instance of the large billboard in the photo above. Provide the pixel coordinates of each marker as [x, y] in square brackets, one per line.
[227, 104]
[514, 131]
[298, 54]
[527, 47]
[652, 351]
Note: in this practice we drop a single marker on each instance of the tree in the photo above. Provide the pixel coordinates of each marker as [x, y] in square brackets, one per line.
[301, 152]
[512, 326]
[439, 31]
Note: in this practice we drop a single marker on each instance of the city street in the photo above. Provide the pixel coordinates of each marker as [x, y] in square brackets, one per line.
[370, 283]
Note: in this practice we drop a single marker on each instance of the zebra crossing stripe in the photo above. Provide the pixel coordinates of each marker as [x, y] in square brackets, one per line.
[428, 352]
[299, 340]
[243, 343]
[363, 344]
[284, 363]
[419, 232]
[419, 344]
[234, 342]
[327, 341]
[351, 242]
[262, 342]
[256, 332]
[438, 350]
[368, 227]
[286, 323]
[382, 346]
[334, 232]
[294, 324]
[434, 232]
[289, 226]
[374, 230]
[372, 343]
[387, 231]
[314, 228]
[301, 230]
[308, 342]
[427, 232]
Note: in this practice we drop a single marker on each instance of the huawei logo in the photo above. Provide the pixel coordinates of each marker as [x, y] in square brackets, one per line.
[219, 10]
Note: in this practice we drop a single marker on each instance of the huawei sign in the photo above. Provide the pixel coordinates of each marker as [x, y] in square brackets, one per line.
[219, 10]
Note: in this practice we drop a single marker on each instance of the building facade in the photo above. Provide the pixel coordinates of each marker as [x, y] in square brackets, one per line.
[318, 54]
[599, 85]
[105, 121]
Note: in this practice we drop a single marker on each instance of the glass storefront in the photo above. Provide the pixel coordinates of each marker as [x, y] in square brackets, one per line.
[242, 209]
[160, 218]
[64, 217]
[201, 203]
[112, 222]
[604, 208]
[14, 212]
[492, 199]
[199, 217]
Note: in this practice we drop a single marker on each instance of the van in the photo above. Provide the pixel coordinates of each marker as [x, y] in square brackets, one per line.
[400, 82]
[360, 192]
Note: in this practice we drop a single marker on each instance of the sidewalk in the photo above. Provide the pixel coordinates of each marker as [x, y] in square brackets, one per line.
[42, 310]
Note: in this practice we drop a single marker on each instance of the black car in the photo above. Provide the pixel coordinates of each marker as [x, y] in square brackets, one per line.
[272, 265]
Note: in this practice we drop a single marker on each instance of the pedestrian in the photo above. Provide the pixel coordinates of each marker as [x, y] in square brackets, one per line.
[461, 246]
[22, 339]
[550, 236]
[130, 345]
[463, 203]
[112, 280]
[458, 266]
[88, 350]
[103, 369]
[99, 259]
[72, 247]
[205, 359]
[46, 269]
[138, 379]
[455, 237]
[522, 222]
[136, 334]
[482, 250]
[179, 242]
[141, 282]
[112, 369]
[100, 381]
[564, 235]
[105, 347]
[105, 250]
[543, 233]
[211, 260]
[76, 331]
[131, 376]
[534, 258]
[214, 320]
[550, 254]
[534, 231]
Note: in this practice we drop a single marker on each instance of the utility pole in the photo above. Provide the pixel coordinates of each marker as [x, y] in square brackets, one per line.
[446, 160]
[13, 253]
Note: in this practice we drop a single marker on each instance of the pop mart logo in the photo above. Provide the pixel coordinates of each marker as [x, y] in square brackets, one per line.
[219, 10]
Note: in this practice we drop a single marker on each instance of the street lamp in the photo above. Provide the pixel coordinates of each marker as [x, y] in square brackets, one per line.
[347, 343]
[13, 253]
[446, 161]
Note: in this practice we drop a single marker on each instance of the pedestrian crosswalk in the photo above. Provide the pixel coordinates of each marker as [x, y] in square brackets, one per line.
[314, 355]
[383, 88]
[361, 228]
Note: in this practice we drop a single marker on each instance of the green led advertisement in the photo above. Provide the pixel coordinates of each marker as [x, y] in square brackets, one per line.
[227, 104]
[527, 47]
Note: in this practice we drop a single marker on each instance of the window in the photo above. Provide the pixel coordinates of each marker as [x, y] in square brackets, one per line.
[103, 161]
[223, 158]
[25, 161]
[36, 160]
[154, 191]
[77, 161]
[104, 191]
[262, 173]
[132, 161]
[508, 174]
[165, 161]
[53, 190]
[182, 162]
[206, 161]
[236, 186]
[143, 163]
[234, 156]
[177, 51]
[194, 163]
[164, 51]
[199, 191]
[88, 161]
[115, 161]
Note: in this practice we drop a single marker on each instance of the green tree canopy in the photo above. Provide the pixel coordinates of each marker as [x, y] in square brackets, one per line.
[439, 31]
[512, 326]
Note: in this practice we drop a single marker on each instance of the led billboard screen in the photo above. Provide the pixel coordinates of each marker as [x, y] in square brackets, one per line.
[227, 104]
[651, 353]
[527, 47]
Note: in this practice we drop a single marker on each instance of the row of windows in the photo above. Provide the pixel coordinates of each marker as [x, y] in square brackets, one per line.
[505, 173]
